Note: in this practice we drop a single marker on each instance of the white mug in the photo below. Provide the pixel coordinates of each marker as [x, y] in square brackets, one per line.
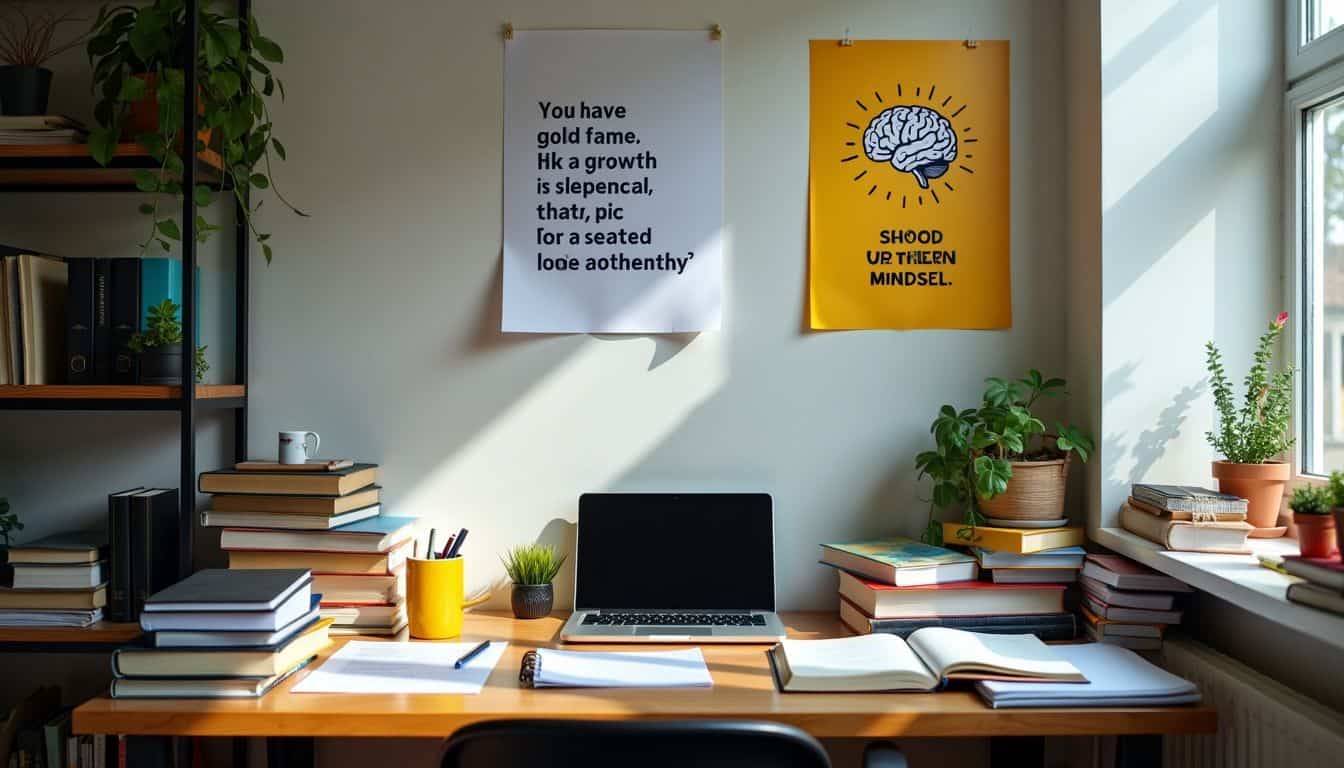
[294, 446]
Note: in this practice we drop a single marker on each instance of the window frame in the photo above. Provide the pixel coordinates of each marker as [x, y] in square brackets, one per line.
[1301, 56]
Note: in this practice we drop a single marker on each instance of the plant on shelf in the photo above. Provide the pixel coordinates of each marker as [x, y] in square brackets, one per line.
[136, 55]
[532, 569]
[998, 458]
[9, 522]
[1252, 437]
[28, 40]
[1312, 505]
[160, 347]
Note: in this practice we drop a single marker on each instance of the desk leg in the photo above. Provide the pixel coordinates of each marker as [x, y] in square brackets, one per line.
[289, 753]
[1143, 751]
[1012, 751]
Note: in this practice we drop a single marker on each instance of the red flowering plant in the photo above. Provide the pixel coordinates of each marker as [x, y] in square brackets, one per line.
[1259, 430]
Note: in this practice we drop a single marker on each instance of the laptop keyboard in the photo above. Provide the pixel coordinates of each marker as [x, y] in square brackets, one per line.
[643, 619]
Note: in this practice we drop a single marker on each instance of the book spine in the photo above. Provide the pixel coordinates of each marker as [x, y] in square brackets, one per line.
[119, 540]
[164, 542]
[102, 321]
[125, 319]
[79, 319]
[141, 549]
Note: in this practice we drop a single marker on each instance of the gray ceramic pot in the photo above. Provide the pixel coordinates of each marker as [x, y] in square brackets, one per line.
[532, 601]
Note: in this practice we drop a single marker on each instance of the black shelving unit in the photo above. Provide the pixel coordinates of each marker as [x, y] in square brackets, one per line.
[56, 170]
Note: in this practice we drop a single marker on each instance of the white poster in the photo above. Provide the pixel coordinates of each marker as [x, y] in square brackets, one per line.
[613, 182]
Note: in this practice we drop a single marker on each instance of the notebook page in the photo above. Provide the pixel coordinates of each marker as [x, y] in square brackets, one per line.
[880, 662]
[374, 667]
[622, 669]
[948, 651]
[1116, 677]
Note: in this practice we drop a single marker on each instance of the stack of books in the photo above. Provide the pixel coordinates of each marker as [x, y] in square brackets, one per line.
[325, 517]
[898, 586]
[1126, 604]
[1187, 518]
[33, 130]
[1324, 585]
[223, 634]
[59, 581]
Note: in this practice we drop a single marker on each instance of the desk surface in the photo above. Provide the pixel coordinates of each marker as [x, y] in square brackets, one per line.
[743, 689]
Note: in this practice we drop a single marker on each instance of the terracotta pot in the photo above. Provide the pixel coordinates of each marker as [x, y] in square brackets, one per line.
[1261, 485]
[1339, 529]
[143, 115]
[1035, 492]
[1315, 534]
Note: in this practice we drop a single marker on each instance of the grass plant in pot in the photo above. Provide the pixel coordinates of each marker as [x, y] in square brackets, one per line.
[1253, 437]
[998, 460]
[159, 347]
[136, 53]
[29, 38]
[532, 568]
[1311, 505]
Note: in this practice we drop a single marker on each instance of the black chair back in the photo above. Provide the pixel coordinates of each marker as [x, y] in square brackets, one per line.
[632, 743]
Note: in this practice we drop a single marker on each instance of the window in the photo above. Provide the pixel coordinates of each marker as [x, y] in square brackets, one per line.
[1315, 138]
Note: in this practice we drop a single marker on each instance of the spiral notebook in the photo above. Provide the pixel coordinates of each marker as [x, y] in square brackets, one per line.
[552, 668]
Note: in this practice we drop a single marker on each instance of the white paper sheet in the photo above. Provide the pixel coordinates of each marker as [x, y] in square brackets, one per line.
[622, 669]
[373, 667]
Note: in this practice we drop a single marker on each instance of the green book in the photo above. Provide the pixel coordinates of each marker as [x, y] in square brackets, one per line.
[900, 561]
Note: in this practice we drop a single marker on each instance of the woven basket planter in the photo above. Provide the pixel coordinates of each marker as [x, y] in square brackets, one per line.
[1035, 492]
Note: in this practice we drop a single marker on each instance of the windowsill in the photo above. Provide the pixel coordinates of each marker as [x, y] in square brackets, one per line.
[1238, 579]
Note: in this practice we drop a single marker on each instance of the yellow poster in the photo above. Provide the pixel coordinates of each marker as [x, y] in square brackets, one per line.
[908, 193]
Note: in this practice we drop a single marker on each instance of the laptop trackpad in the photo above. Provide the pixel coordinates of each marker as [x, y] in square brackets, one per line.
[665, 632]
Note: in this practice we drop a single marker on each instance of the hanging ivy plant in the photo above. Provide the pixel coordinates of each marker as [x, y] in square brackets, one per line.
[136, 56]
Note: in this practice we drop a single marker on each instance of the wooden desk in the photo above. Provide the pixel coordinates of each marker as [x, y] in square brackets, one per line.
[743, 689]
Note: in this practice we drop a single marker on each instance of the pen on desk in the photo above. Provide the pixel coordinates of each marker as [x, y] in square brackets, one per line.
[469, 655]
[457, 543]
[447, 545]
[429, 547]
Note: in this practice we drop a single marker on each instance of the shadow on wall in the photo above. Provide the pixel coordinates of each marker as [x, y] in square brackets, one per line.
[1152, 443]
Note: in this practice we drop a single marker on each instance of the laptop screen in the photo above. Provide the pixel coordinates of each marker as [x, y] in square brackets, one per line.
[676, 551]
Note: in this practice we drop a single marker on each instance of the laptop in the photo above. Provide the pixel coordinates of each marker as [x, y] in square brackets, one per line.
[674, 568]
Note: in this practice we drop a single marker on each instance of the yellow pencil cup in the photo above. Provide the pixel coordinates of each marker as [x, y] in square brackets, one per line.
[435, 597]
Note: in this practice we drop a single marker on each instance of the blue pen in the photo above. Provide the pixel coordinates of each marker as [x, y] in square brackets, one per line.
[457, 543]
[469, 655]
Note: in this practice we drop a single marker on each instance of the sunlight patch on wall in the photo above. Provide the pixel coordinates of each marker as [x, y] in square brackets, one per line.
[1153, 357]
[1150, 114]
[1123, 22]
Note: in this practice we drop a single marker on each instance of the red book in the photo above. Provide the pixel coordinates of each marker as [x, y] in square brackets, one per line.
[962, 598]
[1326, 571]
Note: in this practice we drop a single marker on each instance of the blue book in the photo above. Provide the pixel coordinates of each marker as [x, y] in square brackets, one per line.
[900, 561]
[162, 279]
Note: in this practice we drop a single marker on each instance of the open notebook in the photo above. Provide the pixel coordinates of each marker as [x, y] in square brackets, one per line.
[880, 662]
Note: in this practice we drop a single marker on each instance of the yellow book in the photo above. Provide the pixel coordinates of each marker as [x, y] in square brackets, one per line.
[1019, 540]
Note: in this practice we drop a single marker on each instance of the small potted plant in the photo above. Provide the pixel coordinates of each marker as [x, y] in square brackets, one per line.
[1311, 505]
[1337, 498]
[28, 40]
[998, 459]
[9, 523]
[532, 568]
[159, 347]
[1252, 437]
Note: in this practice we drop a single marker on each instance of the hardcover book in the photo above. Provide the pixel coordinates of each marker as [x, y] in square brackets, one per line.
[155, 542]
[102, 321]
[119, 603]
[1123, 573]
[1046, 626]
[1186, 536]
[1021, 541]
[1325, 571]
[125, 314]
[967, 598]
[1187, 498]
[900, 561]
[337, 482]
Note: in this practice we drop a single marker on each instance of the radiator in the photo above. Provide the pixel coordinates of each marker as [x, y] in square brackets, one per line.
[1261, 723]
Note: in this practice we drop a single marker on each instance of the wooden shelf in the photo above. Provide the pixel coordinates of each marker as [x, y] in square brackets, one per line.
[69, 167]
[103, 633]
[115, 397]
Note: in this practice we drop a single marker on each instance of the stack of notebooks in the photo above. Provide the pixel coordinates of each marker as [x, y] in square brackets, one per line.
[223, 634]
[59, 581]
[899, 586]
[324, 517]
[33, 130]
[1187, 518]
[1126, 604]
[1324, 585]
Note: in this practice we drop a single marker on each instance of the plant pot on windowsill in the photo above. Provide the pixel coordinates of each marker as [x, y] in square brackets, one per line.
[24, 90]
[162, 366]
[1261, 485]
[1315, 534]
[532, 601]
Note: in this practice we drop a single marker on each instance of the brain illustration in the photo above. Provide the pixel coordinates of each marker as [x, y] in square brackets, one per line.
[915, 140]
